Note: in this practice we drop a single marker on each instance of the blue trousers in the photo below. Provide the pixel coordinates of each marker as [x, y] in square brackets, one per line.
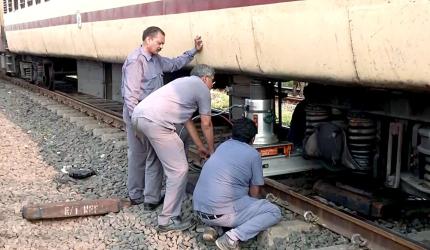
[247, 223]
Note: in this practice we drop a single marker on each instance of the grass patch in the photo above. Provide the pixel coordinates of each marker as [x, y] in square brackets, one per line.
[286, 118]
[219, 99]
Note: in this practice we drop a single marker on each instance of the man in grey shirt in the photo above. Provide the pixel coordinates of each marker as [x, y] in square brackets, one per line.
[154, 119]
[142, 73]
[228, 189]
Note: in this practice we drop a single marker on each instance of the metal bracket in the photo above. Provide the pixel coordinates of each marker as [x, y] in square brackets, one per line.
[393, 177]
[272, 198]
[358, 240]
[310, 217]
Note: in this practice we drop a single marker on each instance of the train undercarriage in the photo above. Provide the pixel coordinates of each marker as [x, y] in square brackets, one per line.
[385, 132]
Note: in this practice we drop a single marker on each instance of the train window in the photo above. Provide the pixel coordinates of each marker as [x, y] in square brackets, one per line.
[9, 5]
[22, 4]
[29, 3]
[37, 1]
[15, 4]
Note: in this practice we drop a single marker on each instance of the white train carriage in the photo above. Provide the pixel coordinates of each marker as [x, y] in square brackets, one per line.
[367, 42]
[363, 56]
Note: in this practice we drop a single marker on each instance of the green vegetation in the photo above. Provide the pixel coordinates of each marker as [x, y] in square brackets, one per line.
[287, 113]
[219, 99]
[286, 118]
[287, 84]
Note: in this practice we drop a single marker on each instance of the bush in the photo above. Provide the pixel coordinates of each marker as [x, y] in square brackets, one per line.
[220, 99]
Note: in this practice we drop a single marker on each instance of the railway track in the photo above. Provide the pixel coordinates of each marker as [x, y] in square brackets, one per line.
[361, 232]
[93, 107]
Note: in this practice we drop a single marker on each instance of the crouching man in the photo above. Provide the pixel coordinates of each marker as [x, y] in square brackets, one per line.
[228, 190]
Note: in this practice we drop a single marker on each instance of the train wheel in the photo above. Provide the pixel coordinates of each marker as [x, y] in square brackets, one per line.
[48, 76]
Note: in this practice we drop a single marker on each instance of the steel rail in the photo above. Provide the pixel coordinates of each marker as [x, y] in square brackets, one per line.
[91, 110]
[364, 233]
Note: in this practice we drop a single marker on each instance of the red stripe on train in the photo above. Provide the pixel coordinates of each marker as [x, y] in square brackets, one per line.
[165, 7]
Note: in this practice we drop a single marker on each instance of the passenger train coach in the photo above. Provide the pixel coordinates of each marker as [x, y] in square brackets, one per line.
[366, 63]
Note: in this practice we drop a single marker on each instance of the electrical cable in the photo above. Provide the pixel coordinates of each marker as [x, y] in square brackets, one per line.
[216, 114]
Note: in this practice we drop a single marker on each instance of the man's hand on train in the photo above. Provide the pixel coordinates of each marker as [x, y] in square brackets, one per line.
[198, 43]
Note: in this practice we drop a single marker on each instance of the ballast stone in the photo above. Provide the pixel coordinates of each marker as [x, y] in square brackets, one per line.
[279, 234]
[338, 247]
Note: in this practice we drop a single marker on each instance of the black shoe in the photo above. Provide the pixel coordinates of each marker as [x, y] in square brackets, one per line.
[152, 206]
[176, 224]
[137, 201]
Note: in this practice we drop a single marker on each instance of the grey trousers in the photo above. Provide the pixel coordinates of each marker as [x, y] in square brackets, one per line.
[140, 155]
[247, 223]
[170, 150]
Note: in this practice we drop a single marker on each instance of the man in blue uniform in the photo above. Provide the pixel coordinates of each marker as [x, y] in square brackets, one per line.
[154, 119]
[228, 190]
[142, 73]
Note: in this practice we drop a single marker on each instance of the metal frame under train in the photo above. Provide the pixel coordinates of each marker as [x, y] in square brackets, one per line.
[377, 134]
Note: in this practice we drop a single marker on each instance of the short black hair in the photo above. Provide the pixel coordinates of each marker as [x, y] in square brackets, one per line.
[244, 130]
[151, 31]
